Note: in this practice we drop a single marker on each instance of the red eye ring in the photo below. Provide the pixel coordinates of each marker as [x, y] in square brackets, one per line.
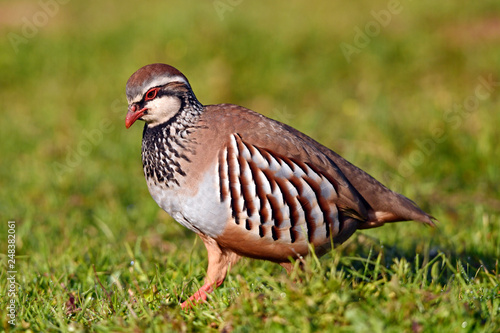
[151, 94]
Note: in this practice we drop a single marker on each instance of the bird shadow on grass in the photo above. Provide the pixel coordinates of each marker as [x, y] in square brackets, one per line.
[366, 258]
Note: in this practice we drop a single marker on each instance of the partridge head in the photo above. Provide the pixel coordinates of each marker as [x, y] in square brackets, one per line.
[246, 184]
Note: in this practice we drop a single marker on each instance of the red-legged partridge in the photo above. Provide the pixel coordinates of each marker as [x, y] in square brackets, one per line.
[246, 184]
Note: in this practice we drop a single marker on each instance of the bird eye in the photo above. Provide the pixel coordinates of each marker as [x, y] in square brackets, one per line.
[151, 94]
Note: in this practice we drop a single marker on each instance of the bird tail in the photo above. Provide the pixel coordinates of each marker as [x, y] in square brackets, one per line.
[400, 209]
[384, 204]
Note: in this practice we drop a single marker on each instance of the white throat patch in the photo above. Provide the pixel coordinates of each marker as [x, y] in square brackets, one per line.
[161, 110]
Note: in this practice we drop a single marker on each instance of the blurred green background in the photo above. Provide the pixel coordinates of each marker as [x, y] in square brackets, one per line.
[408, 91]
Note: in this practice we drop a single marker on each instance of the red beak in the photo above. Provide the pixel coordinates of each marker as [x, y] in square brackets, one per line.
[133, 115]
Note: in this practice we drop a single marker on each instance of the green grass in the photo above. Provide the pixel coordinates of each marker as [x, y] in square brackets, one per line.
[95, 253]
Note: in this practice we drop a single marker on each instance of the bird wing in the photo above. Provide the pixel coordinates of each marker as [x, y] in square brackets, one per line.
[359, 194]
[278, 202]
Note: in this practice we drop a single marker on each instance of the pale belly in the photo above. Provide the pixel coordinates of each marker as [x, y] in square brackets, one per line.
[200, 212]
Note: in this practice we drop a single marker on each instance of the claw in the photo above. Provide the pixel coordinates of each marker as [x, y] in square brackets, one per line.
[198, 297]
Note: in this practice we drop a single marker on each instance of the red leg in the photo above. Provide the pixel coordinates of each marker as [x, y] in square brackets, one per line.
[219, 260]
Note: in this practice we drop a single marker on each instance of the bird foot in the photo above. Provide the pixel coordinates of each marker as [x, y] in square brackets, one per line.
[198, 297]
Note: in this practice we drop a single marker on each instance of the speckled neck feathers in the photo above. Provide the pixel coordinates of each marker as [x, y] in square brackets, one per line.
[165, 145]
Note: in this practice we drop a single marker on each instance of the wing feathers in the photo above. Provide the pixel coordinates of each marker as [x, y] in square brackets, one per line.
[278, 199]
